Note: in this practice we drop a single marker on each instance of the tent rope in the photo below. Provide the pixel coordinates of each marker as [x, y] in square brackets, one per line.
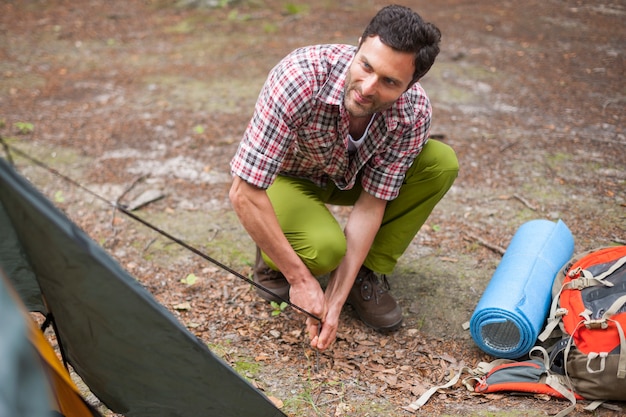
[121, 208]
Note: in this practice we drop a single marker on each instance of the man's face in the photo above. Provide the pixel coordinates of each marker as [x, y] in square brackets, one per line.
[376, 78]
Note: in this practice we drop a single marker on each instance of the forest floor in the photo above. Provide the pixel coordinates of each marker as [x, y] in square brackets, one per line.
[128, 97]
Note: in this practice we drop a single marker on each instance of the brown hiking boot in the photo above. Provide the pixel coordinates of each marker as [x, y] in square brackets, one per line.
[370, 298]
[270, 279]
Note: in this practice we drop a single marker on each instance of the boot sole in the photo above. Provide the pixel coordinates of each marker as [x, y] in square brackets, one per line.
[383, 329]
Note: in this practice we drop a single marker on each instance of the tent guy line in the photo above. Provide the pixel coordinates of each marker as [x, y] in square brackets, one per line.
[120, 207]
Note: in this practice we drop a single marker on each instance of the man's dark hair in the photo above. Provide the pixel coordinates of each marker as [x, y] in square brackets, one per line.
[402, 29]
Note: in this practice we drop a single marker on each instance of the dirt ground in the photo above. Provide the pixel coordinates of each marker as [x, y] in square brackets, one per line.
[129, 97]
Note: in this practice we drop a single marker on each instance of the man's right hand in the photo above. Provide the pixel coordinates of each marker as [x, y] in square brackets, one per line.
[256, 214]
[308, 295]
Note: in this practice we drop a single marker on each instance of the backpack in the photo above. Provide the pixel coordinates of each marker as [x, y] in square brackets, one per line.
[589, 308]
[588, 321]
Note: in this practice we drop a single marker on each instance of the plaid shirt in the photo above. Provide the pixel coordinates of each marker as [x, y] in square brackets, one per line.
[300, 128]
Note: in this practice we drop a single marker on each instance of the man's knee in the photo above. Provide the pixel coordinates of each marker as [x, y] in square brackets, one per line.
[440, 156]
[324, 254]
[437, 162]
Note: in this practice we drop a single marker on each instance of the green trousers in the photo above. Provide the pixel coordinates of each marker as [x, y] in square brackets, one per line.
[319, 240]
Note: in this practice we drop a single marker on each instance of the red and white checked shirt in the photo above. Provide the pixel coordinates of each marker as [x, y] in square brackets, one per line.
[300, 128]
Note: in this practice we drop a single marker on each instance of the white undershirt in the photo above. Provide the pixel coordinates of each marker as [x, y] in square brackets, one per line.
[353, 145]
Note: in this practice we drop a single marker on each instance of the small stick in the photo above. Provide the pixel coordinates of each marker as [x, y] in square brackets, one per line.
[130, 187]
[117, 202]
[617, 240]
[494, 248]
[317, 353]
[507, 146]
[524, 202]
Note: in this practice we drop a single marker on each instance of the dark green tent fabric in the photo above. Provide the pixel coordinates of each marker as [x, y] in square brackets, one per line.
[129, 350]
[14, 263]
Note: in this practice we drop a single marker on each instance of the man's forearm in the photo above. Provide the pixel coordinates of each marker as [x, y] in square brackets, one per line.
[257, 216]
[361, 229]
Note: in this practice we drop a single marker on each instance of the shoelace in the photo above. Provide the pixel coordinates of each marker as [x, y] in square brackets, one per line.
[383, 288]
[380, 285]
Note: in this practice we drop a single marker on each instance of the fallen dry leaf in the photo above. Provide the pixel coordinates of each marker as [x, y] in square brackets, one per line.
[183, 306]
[276, 401]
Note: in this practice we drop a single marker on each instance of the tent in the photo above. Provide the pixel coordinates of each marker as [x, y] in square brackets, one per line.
[40, 385]
[129, 350]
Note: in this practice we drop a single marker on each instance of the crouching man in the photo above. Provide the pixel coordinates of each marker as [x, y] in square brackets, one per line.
[342, 125]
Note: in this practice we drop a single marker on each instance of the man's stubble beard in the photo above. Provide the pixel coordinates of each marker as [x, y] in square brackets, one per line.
[357, 110]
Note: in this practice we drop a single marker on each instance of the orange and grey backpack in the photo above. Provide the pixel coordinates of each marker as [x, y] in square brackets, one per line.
[588, 319]
[589, 307]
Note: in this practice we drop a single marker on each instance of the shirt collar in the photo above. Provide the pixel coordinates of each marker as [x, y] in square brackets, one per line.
[332, 92]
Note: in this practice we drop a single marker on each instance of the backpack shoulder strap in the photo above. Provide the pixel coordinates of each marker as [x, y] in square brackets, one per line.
[554, 317]
[555, 381]
[617, 265]
[615, 307]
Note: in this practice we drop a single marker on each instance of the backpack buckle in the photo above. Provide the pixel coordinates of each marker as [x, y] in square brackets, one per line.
[575, 273]
[596, 324]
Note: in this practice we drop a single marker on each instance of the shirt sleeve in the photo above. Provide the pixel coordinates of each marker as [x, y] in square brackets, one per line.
[282, 104]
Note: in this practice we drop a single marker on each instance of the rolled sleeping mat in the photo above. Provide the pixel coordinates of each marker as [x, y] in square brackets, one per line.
[514, 306]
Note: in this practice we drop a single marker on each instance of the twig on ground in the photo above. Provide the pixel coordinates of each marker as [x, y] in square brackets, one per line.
[495, 248]
[524, 202]
[119, 198]
[147, 245]
[507, 146]
[130, 187]
[618, 240]
[147, 197]
[610, 101]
